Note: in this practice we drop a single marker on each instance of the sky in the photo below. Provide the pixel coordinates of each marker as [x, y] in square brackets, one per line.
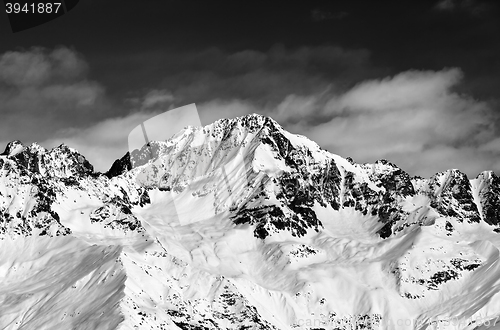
[414, 82]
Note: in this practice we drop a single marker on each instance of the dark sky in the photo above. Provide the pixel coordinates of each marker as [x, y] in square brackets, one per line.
[325, 69]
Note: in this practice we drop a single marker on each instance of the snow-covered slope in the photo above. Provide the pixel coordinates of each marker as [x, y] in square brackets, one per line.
[242, 225]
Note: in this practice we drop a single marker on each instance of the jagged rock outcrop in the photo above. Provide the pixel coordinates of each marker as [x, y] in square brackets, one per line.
[489, 195]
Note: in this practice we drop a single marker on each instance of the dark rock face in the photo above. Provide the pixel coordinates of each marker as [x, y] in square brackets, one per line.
[490, 200]
[395, 181]
[448, 270]
[120, 215]
[451, 195]
[358, 194]
[120, 166]
[308, 181]
[397, 185]
[262, 217]
[394, 185]
[12, 147]
[61, 161]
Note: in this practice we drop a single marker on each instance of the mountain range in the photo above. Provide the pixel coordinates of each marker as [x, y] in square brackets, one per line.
[243, 225]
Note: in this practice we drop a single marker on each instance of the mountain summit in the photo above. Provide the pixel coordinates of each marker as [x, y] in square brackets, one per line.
[243, 225]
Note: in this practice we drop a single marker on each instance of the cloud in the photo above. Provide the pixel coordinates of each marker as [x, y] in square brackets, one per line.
[407, 89]
[473, 7]
[44, 90]
[263, 77]
[38, 66]
[216, 109]
[106, 141]
[415, 120]
[157, 97]
[332, 95]
[103, 142]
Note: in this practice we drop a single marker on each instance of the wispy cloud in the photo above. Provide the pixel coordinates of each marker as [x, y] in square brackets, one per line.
[414, 119]
[101, 143]
[156, 97]
[39, 66]
[39, 87]
[473, 7]
[264, 77]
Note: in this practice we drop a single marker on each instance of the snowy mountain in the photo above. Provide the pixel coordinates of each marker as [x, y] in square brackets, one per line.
[242, 225]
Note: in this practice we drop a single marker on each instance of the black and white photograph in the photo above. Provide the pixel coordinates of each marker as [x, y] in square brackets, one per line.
[250, 165]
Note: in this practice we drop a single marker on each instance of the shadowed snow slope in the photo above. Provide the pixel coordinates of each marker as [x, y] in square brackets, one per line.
[242, 225]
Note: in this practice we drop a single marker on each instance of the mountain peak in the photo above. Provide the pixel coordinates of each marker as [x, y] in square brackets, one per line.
[60, 161]
[36, 148]
[252, 122]
[486, 175]
[223, 131]
[13, 148]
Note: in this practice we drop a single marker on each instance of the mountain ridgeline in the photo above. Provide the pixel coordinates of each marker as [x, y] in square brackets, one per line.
[277, 231]
[371, 189]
